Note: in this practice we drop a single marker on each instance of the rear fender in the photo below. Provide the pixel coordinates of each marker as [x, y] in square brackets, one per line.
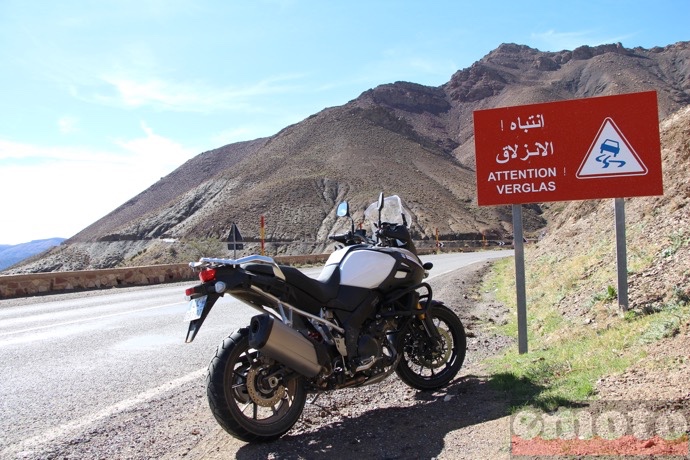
[227, 279]
[195, 325]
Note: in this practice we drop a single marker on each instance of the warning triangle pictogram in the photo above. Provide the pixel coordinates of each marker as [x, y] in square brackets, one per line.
[610, 155]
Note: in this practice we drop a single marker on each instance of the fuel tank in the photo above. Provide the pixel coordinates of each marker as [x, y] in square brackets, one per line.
[376, 268]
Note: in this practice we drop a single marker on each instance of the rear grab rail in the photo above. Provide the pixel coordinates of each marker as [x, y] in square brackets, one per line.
[252, 259]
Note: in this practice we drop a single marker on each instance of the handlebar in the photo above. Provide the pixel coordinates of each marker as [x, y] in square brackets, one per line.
[395, 235]
[340, 238]
[388, 234]
[393, 230]
[349, 238]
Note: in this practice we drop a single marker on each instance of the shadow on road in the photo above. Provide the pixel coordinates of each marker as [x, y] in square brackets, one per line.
[418, 431]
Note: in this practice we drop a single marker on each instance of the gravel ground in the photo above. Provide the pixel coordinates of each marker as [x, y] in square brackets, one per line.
[389, 420]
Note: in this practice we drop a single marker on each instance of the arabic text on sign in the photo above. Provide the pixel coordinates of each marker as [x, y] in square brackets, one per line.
[533, 121]
[513, 152]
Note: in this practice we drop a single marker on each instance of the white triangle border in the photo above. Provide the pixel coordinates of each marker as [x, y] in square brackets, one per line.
[644, 171]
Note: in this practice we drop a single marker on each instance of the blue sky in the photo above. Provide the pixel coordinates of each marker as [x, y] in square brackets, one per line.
[102, 98]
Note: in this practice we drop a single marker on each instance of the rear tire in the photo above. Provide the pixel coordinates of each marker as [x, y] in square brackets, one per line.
[248, 406]
[428, 367]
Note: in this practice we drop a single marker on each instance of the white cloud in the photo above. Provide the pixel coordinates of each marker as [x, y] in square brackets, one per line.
[200, 97]
[441, 67]
[68, 124]
[558, 41]
[58, 191]
[154, 148]
[229, 136]
[28, 153]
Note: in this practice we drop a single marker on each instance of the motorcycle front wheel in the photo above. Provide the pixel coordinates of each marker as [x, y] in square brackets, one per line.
[427, 364]
[248, 396]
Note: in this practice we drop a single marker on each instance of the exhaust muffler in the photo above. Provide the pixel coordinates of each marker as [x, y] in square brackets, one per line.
[283, 344]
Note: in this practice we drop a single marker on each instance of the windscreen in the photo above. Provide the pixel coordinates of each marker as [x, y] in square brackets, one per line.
[392, 211]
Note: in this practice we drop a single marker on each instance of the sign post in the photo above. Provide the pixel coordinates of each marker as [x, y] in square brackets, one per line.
[263, 233]
[235, 240]
[521, 293]
[582, 149]
[621, 254]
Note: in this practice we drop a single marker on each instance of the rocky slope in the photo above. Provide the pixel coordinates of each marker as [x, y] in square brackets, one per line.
[403, 138]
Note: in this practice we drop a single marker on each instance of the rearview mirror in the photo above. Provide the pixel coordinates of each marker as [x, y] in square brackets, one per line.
[343, 209]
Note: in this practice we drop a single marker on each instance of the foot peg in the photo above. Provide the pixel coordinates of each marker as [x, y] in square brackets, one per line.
[363, 364]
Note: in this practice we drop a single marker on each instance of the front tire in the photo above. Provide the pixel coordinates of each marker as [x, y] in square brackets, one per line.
[426, 366]
[246, 397]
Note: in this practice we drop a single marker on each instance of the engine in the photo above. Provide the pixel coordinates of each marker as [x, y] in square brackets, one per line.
[375, 346]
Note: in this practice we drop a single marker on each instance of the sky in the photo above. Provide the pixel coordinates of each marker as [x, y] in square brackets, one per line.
[100, 99]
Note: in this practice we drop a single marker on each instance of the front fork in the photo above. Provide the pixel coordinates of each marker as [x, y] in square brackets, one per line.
[428, 322]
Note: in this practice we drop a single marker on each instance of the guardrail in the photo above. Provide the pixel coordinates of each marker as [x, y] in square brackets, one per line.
[31, 284]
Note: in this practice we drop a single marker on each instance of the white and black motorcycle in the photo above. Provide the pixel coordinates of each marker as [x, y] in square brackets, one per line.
[369, 313]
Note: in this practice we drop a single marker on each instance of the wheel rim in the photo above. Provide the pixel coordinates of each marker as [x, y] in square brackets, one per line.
[435, 357]
[427, 360]
[264, 391]
[256, 400]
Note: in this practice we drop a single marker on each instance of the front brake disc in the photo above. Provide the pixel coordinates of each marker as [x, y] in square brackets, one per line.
[436, 356]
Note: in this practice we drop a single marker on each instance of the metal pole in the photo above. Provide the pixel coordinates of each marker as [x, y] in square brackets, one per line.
[518, 243]
[263, 233]
[234, 241]
[621, 254]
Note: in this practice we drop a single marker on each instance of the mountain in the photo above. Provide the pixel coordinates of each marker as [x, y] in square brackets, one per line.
[13, 254]
[401, 138]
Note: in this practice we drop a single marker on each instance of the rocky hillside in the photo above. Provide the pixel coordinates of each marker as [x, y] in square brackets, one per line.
[404, 138]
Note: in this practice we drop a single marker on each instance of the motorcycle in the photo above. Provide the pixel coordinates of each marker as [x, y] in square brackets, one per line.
[368, 314]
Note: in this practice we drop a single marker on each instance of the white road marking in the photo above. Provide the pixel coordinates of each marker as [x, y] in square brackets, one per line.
[88, 420]
[84, 320]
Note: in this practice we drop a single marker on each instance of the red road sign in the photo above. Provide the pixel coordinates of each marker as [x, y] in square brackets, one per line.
[599, 147]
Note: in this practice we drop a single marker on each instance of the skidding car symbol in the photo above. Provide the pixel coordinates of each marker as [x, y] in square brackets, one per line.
[610, 146]
[613, 147]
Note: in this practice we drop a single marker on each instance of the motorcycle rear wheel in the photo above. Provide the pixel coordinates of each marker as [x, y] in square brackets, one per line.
[245, 403]
[428, 367]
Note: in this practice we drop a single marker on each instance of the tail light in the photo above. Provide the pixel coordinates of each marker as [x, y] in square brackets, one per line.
[207, 275]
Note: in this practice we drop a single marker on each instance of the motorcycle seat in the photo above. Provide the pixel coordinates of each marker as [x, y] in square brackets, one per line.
[323, 289]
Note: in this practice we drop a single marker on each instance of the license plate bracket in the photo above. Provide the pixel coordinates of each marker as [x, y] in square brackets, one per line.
[195, 309]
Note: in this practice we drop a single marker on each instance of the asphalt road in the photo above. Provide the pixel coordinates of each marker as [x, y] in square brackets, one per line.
[72, 360]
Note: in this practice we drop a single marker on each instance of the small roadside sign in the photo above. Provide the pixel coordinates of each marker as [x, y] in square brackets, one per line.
[235, 238]
[599, 147]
